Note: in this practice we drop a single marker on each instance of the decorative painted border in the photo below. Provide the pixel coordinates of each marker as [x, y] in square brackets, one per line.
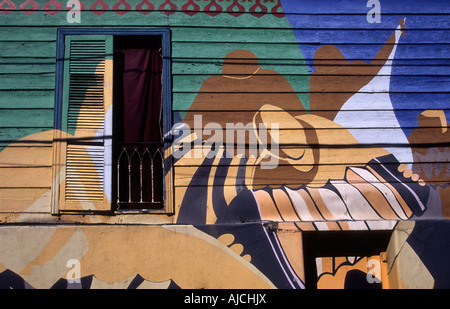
[168, 7]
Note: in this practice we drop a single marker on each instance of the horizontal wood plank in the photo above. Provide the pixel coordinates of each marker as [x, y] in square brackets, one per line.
[13, 136]
[282, 175]
[26, 157]
[416, 101]
[30, 49]
[34, 177]
[285, 36]
[11, 99]
[26, 68]
[26, 118]
[21, 34]
[19, 200]
[41, 81]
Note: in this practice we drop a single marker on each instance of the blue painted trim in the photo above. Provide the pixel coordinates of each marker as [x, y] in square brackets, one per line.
[165, 35]
[59, 80]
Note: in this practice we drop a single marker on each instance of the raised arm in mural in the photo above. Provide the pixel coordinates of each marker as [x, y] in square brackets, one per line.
[336, 79]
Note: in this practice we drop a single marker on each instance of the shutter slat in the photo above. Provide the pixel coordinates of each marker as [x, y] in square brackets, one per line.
[85, 161]
[86, 56]
[80, 115]
[83, 181]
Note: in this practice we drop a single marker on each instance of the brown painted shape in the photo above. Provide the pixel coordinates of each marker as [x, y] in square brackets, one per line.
[243, 86]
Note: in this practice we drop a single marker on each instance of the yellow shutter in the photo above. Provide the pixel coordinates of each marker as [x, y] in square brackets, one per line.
[87, 118]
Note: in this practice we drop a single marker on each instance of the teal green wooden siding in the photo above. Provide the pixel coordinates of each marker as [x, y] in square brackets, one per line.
[199, 44]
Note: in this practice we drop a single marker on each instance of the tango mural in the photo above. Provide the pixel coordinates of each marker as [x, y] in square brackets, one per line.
[348, 118]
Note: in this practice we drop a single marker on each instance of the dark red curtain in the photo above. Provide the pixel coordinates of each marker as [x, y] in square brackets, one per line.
[138, 88]
[142, 69]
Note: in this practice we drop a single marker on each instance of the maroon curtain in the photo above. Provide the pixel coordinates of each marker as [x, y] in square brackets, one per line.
[138, 72]
[142, 69]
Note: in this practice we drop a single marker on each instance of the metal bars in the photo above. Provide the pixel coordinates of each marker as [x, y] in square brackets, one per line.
[140, 176]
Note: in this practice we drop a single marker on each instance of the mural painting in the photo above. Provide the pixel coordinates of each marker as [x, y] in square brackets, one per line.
[342, 157]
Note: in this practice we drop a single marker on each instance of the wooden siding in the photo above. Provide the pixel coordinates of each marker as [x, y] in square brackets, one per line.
[363, 145]
[284, 44]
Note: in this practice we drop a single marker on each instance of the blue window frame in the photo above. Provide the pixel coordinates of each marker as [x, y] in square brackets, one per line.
[62, 118]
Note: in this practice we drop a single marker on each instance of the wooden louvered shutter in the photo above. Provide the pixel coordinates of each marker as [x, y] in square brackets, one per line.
[87, 116]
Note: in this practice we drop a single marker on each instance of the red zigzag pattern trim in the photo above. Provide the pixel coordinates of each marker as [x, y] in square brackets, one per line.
[234, 8]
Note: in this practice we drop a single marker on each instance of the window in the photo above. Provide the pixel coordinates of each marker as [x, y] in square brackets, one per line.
[113, 108]
[345, 259]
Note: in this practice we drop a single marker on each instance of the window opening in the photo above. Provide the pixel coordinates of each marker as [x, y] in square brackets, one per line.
[138, 142]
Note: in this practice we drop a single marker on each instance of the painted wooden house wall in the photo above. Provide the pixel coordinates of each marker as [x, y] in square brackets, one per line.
[361, 105]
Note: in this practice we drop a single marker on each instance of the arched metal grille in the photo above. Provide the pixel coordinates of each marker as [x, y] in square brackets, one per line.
[140, 174]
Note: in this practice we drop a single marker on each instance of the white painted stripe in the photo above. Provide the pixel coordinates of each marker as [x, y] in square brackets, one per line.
[321, 226]
[362, 111]
[357, 225]
[319, 265]
[381, 224]
[334, 204]
[278, 258]
[387, 193]
[294, 276]
[358, 206]
[300, 205]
